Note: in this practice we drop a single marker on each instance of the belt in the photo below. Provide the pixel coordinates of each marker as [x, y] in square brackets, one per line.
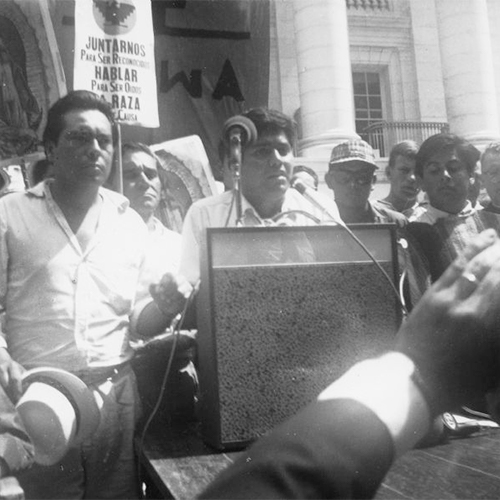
[96, 376]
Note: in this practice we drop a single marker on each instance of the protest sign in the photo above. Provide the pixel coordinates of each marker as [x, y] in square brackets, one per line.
[114, 57]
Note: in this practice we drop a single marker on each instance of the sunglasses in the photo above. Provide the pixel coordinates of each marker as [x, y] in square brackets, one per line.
[344, 178]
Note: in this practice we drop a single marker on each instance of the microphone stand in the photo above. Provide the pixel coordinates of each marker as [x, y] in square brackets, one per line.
[238, 130]
[235, 166]
[315, 199]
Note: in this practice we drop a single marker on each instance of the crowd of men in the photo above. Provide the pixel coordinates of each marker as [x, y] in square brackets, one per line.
[86, 273]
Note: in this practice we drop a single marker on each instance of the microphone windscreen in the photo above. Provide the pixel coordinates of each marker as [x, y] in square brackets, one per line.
[299, 186]
[245, 126]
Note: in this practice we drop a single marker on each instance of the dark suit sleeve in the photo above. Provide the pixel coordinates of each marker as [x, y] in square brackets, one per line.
[332, 449]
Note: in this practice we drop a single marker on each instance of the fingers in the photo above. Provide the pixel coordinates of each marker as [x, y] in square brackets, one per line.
[5, 362]
[486, 296]
[171, 284]
[4, 378]
[184, 288]
[171, 293]
[476, 270]
[456, 269]
[15, 385]
[10, 376]
[479, 243]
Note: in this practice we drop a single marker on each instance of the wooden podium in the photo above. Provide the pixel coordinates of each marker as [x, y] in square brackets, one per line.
[282, 312]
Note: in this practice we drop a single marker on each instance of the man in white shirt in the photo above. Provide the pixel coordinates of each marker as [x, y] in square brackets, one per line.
[71, 255]
[266, 170]
[143, 188]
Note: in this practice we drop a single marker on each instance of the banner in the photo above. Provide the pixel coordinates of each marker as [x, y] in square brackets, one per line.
[114, 57]
[212, 59]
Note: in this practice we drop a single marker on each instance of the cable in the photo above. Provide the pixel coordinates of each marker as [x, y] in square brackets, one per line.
[233, 199]
[399, 297]
[382, 270]
[175, 327]
[302, 212]
[401, 291]
[477, 413]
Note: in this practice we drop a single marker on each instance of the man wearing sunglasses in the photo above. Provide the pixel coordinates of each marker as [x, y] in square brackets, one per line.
[142, 186]
[351, 176]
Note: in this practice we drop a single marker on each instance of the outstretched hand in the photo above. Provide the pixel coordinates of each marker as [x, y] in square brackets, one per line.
[453, 334]
[171, 293]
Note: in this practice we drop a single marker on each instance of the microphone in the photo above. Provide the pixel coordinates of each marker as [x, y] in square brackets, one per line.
[319, 201]
[239, 130]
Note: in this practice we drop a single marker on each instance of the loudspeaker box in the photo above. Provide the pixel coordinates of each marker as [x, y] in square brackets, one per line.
[283, 312]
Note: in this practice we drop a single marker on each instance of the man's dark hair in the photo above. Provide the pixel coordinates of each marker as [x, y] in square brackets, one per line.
[491, 149]
[40, 170]
[307, 170]
[467, 152]
[132, 147]
[75, 100]
[269, 121]
[407, 149]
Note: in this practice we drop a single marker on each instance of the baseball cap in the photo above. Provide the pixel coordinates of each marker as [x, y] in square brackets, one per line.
[353, 150]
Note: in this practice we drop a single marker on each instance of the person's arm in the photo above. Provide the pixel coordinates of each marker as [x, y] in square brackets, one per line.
[10, 371]
[342, 445]
[193, 230]
[150, 318]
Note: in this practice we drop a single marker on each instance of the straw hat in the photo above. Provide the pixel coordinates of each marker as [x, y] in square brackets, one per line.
[57, 410]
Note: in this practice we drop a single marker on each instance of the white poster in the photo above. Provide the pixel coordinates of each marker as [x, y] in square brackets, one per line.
[114, 57]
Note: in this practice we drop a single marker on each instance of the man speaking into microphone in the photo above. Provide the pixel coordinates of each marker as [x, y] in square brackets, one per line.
[259, 147]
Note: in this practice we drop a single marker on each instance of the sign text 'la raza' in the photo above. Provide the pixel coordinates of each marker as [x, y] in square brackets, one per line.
[114, 57]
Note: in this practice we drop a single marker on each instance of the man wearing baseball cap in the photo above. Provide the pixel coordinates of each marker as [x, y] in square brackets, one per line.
[351, 176]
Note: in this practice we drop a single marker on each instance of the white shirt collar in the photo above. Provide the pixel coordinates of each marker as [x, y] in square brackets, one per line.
[433, 214]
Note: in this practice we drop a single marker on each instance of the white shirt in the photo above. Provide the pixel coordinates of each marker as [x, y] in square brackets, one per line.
[432, 214]
[66, 307]
[163, 254]
[220, 211]
[385, 385]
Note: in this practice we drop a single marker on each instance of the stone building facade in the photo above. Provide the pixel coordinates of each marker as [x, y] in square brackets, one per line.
[386, 70]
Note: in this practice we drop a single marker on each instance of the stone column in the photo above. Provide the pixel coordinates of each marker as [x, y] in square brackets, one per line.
[494, 21]
[325, 79]
[468, 70]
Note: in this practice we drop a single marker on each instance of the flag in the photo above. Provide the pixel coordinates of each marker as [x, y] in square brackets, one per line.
[114, 57]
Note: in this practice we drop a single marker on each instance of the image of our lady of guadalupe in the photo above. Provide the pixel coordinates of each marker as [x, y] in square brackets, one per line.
[20, 113]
